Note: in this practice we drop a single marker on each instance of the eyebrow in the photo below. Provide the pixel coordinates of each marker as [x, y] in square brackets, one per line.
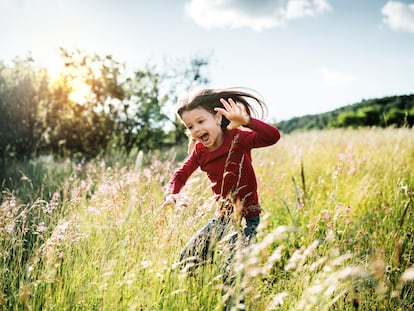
[198, 119]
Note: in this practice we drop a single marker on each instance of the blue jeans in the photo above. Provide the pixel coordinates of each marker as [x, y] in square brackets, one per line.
[202, 245]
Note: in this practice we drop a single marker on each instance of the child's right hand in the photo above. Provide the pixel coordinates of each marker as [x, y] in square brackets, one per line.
[175, 200]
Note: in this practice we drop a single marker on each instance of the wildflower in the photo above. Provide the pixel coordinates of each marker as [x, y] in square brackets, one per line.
[53, 203]
[407, 190]
[10, 228]
[147, 173]
[297, 260]
[408, 275]
[83, 184]
[107, 274]
[29, 271]
[318, 263]
[351, 171]
[79, 168]
[146, 264]
[348, 215]
[276, 256]
[178, 291]
[325, 214]
[93, 211]
[278, 300]
[55, 196]
[41, 227]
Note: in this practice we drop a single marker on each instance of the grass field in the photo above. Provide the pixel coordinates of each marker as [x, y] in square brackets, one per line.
[336, 232]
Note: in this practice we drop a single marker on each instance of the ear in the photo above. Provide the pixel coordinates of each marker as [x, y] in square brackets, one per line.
[219, 117]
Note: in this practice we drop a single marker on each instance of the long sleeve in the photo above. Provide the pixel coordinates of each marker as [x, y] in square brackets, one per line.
[181, 175]
[229, 167]
[261, 134]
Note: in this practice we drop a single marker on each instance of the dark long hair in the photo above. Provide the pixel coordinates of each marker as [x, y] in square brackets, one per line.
[209, 99]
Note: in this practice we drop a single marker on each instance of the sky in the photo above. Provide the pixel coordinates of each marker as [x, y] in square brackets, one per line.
[301, 56]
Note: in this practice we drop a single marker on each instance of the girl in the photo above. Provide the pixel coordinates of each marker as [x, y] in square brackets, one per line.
[222, 134]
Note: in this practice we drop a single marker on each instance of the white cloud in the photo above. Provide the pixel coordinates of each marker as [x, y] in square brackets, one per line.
[333, 78]
[303, 8]
[399, 16]
[257, 15]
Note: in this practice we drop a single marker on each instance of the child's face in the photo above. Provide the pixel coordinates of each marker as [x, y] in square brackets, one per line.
[204, 127]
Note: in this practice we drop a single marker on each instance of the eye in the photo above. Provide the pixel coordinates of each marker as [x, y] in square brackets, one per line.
[189, 127]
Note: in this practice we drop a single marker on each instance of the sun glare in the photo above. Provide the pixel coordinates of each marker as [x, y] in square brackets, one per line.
[81, 92]
[54, 67]
[56, 70]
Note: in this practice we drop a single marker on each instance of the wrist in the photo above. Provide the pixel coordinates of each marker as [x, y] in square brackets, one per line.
[248, 121]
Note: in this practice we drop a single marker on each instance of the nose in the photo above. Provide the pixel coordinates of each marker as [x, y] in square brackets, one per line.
[195, 128]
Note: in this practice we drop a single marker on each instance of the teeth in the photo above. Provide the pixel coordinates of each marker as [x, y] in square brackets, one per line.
[203, 137]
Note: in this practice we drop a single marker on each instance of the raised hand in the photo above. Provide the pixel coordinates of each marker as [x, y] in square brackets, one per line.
[235, 113]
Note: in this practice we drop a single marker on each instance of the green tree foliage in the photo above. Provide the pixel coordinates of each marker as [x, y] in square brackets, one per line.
[23, 96]
[180, 80]
[83, 111]
[140, 119]
[94, 104]
[386, 111]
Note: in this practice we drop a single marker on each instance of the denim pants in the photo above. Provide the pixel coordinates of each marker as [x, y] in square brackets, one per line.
[202, 245]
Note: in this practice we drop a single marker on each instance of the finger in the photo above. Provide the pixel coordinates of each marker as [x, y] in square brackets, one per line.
[221, 111]
[238, 108]
[233, 104]
[226, 105]
[242, 109]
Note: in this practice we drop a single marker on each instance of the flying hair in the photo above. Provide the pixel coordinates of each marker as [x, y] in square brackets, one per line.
[209, 99]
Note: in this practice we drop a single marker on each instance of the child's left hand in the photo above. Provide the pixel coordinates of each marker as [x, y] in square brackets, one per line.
[235, 113]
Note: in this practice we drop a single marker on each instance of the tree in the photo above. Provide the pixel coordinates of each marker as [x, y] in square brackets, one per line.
[140, 119]
[369, 116]
[180, 80]
[395, 116]
[93, 104]
[81, 115]
[23, 94]
[349, 119]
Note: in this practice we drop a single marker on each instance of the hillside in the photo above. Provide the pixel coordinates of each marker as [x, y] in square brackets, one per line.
[387, 111]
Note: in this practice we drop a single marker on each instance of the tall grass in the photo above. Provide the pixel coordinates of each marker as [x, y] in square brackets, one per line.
[336, 232]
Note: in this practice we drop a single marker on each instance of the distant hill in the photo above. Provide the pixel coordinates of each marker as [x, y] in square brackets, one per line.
[387, 111]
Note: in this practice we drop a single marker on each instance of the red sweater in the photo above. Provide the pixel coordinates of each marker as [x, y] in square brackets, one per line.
[229, 167]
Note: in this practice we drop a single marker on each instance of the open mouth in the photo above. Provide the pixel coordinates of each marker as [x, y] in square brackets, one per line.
[203, 137]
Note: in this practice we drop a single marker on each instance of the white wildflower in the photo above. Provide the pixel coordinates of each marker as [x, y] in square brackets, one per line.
[408, 275]
[278, 300]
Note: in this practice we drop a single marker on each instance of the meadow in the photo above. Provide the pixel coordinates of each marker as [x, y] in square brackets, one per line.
[335, 234]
